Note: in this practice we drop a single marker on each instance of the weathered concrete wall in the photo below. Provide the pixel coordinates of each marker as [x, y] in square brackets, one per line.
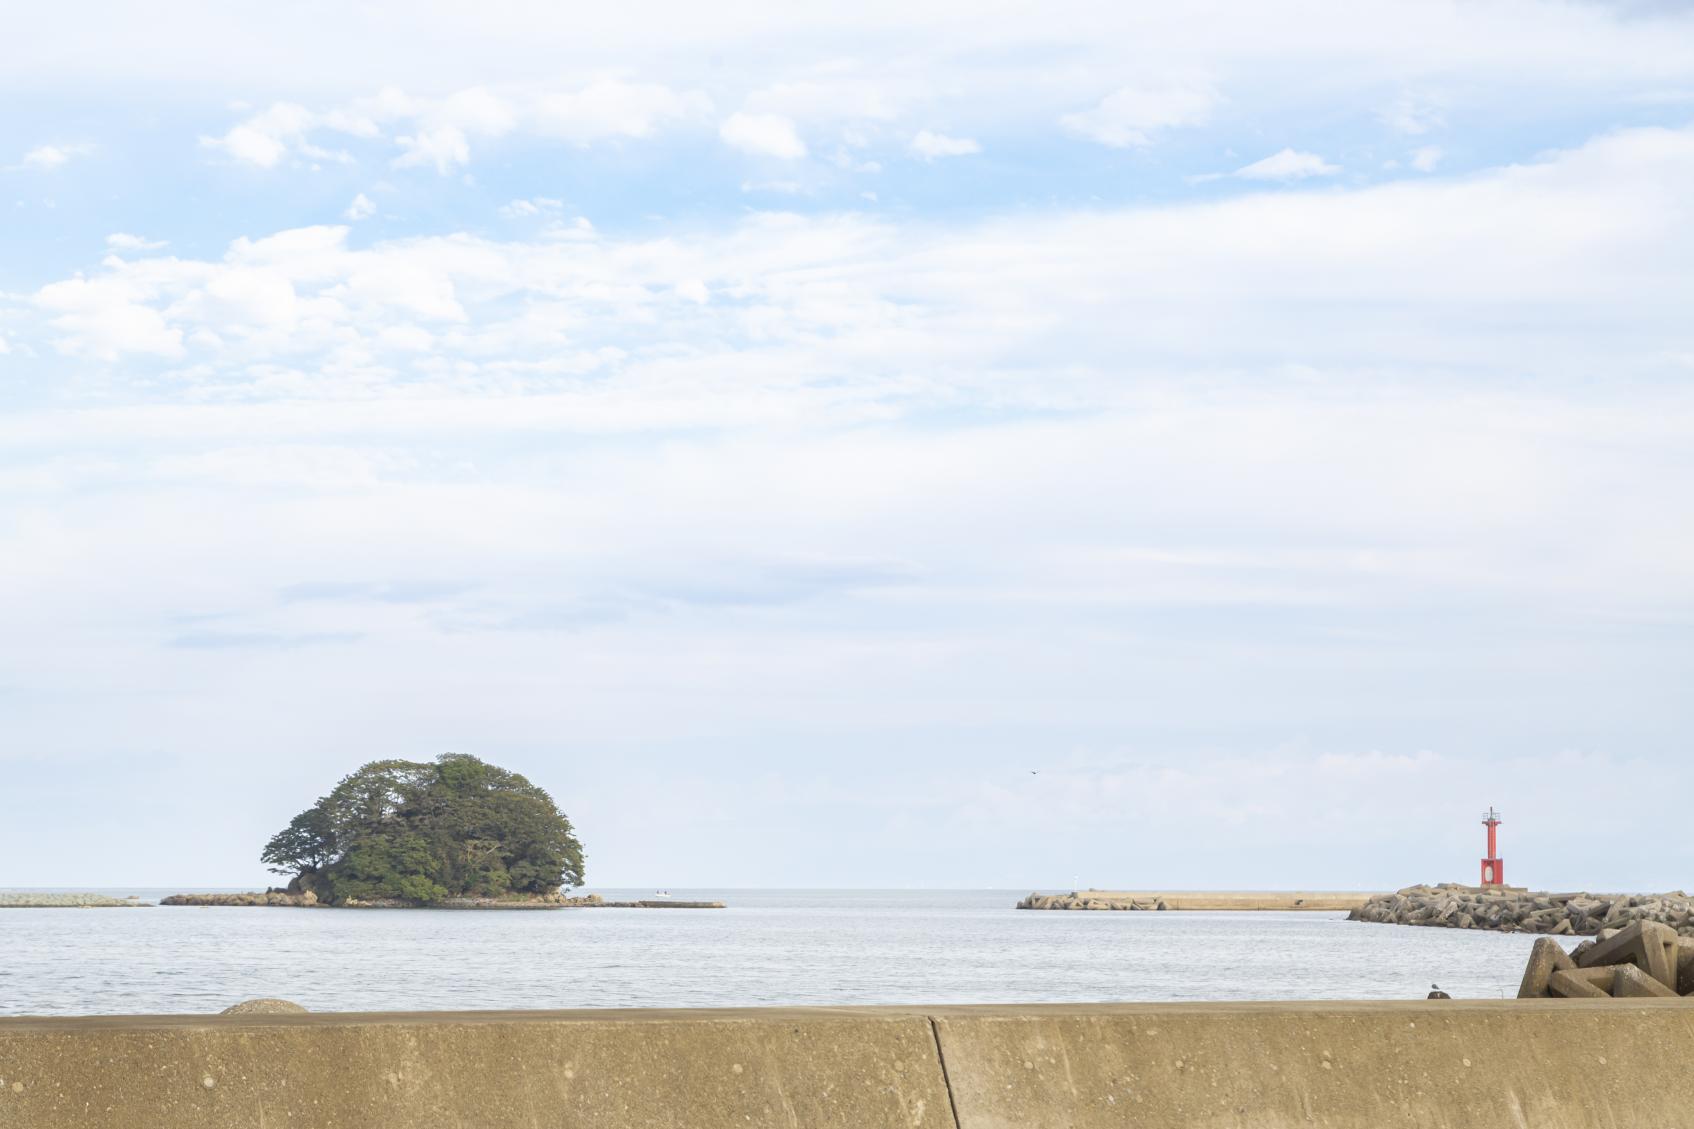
[1442, 1064]
[1540, 1064]
[469, 1070]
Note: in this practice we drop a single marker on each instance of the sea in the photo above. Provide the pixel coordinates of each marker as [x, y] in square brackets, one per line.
[767, 948]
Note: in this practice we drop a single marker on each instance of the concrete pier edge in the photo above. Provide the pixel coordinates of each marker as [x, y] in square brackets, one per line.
[1559, 1064]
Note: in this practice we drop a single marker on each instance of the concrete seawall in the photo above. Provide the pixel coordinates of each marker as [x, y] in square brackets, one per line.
[1534, 1064]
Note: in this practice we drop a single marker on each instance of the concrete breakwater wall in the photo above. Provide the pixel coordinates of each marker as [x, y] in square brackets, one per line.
[1535, 1064]
[1213, 900]
[1511, 909]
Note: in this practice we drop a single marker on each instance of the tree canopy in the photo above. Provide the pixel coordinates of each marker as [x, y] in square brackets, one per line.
[423, 831]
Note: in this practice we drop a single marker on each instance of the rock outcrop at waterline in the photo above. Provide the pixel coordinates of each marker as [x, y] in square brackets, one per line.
[1511, 909]
[268, 898]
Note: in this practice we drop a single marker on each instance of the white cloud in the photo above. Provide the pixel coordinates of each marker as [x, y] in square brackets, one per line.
[534, 206]
[1132, 116]
[579, 230]
[930, 146]
[843, 158]
[362, 208]
[1413, 115]
[1286, 165]
[838, 92]
[266, 138]
[48, 157]
[5, 346]
[783, 187]
[443, 129]
[476, 110]
[108, 317]
[253, 298]
[408, 338]
[1600, 225]
[123, 241]
[444, 146]
[763, 135]
[1425, 158]
[439, 133]
[604, 110]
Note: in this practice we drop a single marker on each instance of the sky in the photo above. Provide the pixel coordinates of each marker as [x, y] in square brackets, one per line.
[1137, 445]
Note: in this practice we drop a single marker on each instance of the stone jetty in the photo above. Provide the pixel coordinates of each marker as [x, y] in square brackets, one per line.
[1205, 900]
[1641, 960]
[1512, 909]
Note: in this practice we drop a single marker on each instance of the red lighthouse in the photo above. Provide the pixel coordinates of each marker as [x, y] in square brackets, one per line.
[1493, 867]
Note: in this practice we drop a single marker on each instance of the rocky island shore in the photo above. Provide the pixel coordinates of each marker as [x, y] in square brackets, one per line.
[1513, 909]
[309, 900]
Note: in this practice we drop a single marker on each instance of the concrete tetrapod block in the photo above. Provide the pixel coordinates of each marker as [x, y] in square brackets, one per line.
[1643, 945]
[1631, 982]
[1582, 983]
[1684, 965]
[1546, 958]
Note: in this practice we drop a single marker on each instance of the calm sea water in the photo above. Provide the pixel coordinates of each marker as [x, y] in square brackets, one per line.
[770, 947]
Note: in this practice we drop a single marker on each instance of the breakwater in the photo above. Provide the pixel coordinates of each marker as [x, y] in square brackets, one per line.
[1511, 909]
[1544, 1064]
[1213, 900]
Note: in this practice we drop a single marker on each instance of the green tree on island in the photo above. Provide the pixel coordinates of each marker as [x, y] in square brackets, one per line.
[421, 832]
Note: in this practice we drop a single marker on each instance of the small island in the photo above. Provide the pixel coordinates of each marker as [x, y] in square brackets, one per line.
[452, 833]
